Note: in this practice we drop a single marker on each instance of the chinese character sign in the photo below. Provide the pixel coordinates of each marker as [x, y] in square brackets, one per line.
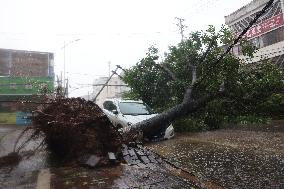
[266, 26]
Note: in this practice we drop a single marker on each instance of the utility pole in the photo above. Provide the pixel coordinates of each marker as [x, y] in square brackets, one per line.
[64, 67]
[66, 88]
[109, 63]
[181, 27]
[106, 83]
[64, 71]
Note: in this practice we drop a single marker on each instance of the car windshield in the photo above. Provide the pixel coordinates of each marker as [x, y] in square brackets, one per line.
[134, 108]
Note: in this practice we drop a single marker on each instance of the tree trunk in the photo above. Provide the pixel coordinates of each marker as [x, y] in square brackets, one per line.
[164, 119]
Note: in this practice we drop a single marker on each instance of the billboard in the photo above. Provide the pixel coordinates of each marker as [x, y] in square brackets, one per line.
[26, 63]
[25, 85]
[265, 26]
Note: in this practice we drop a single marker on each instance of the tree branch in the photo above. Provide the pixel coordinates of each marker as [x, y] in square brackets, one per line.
[164, 68]
[187, 95]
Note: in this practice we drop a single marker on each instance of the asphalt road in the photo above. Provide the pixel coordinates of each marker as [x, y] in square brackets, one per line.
[228, 158]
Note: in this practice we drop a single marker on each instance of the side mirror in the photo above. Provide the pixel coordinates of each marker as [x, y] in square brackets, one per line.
[114, 112]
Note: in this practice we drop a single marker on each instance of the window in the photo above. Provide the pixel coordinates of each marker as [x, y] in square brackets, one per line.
[134, 108]
[13, 86]
[108, 105]
[272, 37]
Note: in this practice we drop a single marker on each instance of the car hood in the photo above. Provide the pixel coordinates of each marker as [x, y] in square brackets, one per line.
[137, 118]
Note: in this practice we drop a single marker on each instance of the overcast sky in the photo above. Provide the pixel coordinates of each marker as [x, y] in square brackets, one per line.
[116, 31]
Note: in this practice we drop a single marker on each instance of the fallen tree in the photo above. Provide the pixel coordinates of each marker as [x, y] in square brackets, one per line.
[72, 127]
[176, 91]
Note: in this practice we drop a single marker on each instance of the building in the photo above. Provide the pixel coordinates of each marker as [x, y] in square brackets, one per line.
[267, 34]
[115, 88]
[23, 75]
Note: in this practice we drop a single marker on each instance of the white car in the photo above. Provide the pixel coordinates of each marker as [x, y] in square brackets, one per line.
[124, 113]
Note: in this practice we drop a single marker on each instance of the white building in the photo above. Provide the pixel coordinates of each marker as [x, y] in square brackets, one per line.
[267, 34]
[114, 89]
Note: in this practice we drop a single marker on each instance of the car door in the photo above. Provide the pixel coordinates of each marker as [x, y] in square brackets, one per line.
[108, 107]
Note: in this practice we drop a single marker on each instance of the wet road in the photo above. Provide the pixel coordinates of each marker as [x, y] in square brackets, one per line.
[6, 135]
[141, 170]
[228, 158]
[25, 173]
[233, 158]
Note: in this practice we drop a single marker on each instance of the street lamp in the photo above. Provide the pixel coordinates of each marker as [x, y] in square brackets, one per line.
[64, 70]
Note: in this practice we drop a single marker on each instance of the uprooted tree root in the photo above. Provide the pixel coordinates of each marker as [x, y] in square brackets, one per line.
[70, 128]
[73, 127]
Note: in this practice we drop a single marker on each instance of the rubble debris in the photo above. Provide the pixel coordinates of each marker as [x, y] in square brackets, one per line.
[111, 156]
[93, 161]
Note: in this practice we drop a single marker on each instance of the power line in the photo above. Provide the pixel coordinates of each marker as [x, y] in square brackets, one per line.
[236, 41]
[257, 16]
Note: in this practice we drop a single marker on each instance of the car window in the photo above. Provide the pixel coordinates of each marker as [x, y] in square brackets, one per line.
[109, 105]
[134, 108]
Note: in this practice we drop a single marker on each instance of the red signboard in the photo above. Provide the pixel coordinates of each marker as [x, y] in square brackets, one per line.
[266, 26]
